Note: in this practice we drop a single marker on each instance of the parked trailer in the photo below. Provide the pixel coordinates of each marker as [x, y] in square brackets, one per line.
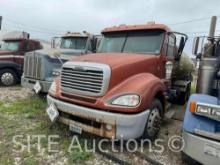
[13, 48]
[122, 90]
[42, 67]
[201, 127]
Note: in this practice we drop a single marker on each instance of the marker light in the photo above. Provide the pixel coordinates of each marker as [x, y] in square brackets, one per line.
[192, 106]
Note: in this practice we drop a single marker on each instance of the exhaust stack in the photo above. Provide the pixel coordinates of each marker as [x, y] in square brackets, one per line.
[212, 27]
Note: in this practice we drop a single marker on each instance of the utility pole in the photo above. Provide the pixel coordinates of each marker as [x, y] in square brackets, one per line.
[0, 22]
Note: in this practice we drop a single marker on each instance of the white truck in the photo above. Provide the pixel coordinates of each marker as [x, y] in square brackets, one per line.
[41, 67]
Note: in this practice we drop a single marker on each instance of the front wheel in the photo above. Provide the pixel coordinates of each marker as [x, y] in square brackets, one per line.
[154, 120]
[8, 77]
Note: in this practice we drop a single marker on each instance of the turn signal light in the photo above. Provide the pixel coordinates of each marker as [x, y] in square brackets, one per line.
[192, 106]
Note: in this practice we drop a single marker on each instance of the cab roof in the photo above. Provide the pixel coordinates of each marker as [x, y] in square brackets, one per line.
[77, 34]
[136, 27]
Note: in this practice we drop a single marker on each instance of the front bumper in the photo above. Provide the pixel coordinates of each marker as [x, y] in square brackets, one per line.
[195, 148]
[124, 126]
[29, 83]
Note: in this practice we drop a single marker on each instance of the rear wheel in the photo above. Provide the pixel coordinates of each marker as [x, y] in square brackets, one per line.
[154, 120]
[8, 77]
[184, 96]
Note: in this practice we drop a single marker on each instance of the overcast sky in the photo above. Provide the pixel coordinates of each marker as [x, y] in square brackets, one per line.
[47, 18]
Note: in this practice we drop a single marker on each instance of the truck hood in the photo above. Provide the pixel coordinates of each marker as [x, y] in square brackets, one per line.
[127, 63]
[194, 122]
[71, 52]
[3, 52]
[115, 60]
[65, 54]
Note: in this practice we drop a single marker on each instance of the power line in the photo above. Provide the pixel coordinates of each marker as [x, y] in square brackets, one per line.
[191, 21]
[25, 28]
[34, 27]
[60, 31]
[48, 31]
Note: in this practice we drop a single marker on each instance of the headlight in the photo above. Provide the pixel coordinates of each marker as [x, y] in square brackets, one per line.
[56, 73]
[207, 110]
[129, 100]
[53, 87]
[203, 109]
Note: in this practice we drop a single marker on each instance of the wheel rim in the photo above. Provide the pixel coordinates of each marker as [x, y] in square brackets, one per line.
[7, 78]
[154, 121]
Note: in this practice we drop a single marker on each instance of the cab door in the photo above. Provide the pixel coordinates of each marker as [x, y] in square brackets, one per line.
[170, 55]
[25, 47]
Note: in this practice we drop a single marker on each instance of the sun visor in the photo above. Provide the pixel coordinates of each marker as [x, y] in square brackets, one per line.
[16, 35]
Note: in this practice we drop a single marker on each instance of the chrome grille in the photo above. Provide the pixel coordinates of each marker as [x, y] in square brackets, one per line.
[32, 67]
[84, 79]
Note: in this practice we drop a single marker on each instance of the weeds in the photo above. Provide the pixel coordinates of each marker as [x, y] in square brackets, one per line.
[28, 117]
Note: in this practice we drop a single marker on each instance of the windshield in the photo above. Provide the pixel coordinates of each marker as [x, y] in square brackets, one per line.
[73, 43]
[10, 45]
[132, 42]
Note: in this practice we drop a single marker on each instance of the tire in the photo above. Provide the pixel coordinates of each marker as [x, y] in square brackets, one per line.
[154, 120]
[8, 77]
[188, 160]
[184, 96]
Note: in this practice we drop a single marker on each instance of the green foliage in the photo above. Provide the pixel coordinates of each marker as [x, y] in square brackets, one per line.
[30, 161]
[77, 157]
[31, 105]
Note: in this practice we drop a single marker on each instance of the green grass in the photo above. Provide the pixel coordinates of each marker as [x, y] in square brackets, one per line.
[28, 117]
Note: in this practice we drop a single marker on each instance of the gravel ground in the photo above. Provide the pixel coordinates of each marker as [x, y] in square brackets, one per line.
[11, 94]
[169, 129]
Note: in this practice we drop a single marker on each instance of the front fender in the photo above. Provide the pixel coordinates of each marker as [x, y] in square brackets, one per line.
[145, 84]
[9, 64]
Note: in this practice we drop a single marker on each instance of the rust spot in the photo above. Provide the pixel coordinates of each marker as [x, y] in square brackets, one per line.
[103, 132]
[100, 131]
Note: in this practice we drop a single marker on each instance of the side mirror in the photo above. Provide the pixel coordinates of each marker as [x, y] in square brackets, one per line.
[180, 49]
[195, 46]
[95, 43]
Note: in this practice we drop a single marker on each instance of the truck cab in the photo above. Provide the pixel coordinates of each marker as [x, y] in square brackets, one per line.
[201, 126]
[41, 67]
[13, 48]
[121, 91]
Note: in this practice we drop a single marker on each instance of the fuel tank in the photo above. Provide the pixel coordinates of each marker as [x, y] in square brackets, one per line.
[208, 68]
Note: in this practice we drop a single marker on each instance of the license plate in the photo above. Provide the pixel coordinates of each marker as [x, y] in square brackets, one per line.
[52, 112]
[212, 150]
[75, 128]
[37, 87]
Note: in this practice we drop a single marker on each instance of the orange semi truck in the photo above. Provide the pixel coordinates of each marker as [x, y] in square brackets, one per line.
[121, 91]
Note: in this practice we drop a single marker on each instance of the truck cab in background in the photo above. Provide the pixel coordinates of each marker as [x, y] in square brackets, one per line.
[14, 45]
[41, 67]
[122, 90]
[201, 126]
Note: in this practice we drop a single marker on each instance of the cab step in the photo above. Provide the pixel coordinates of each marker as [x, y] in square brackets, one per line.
[170, 111]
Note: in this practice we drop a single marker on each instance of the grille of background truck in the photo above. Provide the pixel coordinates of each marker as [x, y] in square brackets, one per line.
[88, 81]
[32, 67]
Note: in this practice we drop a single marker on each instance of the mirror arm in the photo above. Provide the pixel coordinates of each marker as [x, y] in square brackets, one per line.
[186, 36]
